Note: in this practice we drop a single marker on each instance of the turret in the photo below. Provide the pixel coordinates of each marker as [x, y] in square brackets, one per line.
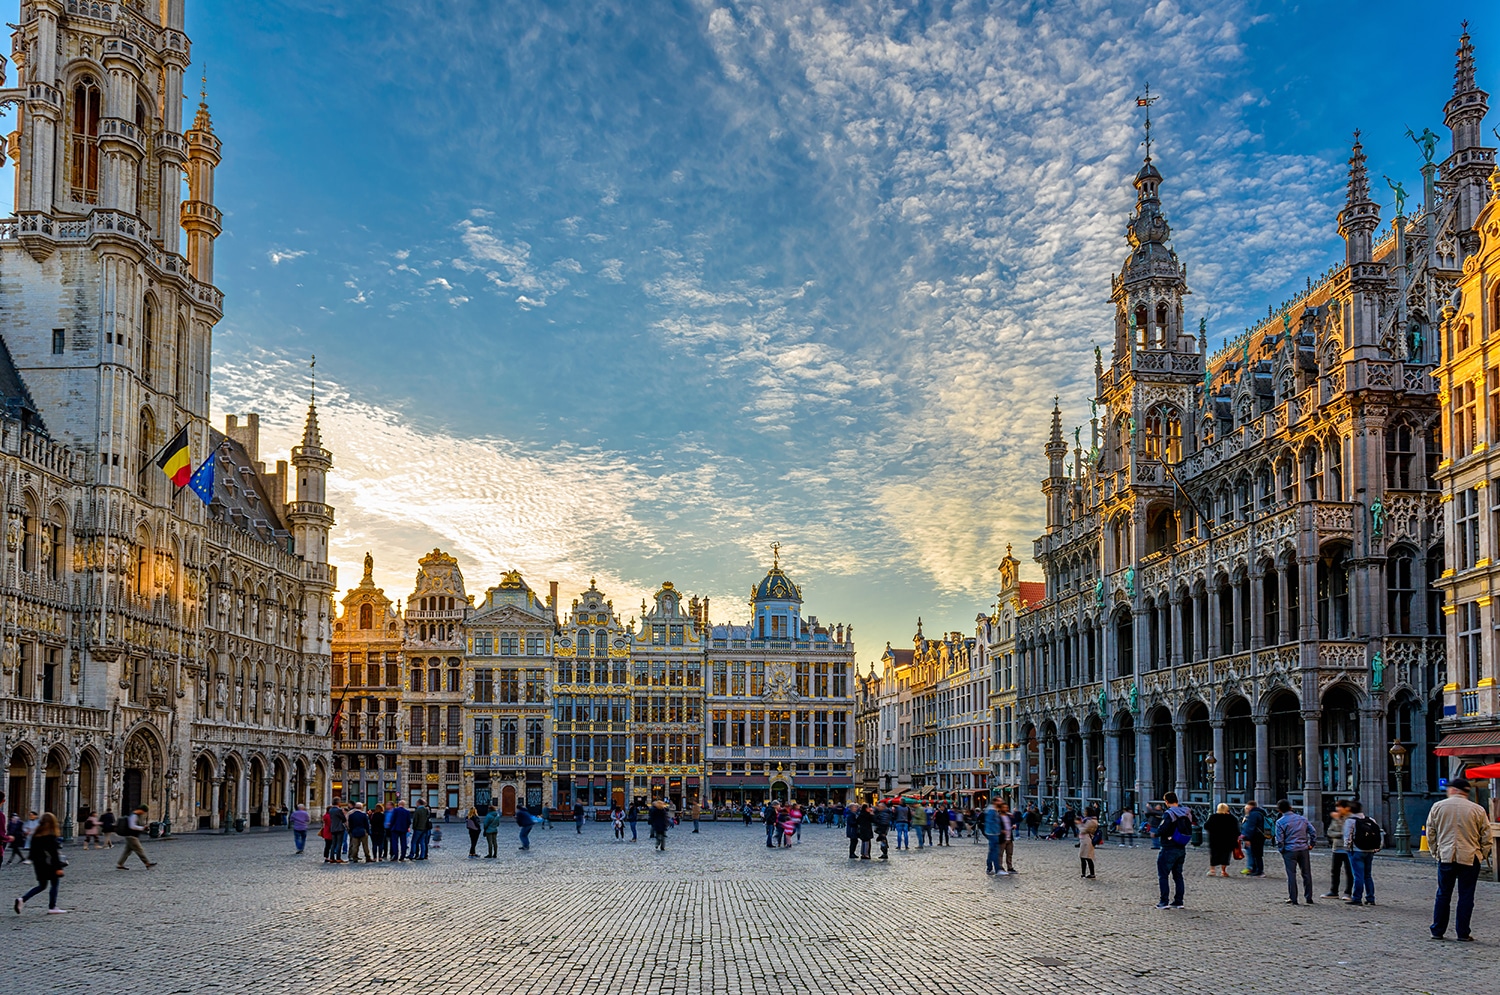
[200, 218]
[310, 516]
[1361, 215]
[1056, 485]
[1466, 170]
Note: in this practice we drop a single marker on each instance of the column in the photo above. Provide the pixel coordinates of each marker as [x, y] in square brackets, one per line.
[213, 812]
[1283, 617]
[1023, 783]
[1263, 758]
[1312, 767]
[1179, 745]
[1086, 748]
[1201, 625]
[1307, 597]
[1063, 787]
[1221, 774]
[1178, 607]
[1145, 790]
[1257, 608]
[1372, 763]
[1215, 650]
[70, 802]
[244, 794]
[1043, 769]
[1111, 785]
[268, 801]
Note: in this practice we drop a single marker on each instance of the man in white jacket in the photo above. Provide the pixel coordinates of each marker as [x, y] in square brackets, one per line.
[1458, 833]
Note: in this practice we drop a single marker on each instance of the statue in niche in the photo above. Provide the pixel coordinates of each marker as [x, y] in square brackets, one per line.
[1377, 519]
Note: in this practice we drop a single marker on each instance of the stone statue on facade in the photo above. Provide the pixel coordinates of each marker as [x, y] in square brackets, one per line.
[1377, 672]
[1130, 581]
[1400, 193]
[1377, 519]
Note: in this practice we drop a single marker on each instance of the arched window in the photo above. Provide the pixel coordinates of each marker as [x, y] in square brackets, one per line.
[180, 357]
[1141, 320]
[1312, 472]
[366, 617]
[1122, 442]
[601, 643]
[1401, 591]
[1160, 331]
[84, 173]
[148, 340]
[583, 642]
[144, 441]
[142, 173]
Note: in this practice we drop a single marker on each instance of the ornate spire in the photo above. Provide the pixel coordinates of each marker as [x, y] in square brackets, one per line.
[1359, 175]
[1361, 215]
[201, 120]
[1463, 74]
[311, 437]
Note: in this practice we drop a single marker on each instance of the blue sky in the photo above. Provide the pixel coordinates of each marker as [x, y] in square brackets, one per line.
[631, 290]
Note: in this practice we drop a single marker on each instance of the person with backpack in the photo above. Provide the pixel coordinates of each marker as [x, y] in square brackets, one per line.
[851, 832]
[1173, 834]
[378, 838]
[107, 823]
[942, 822]
[901, 819]
[300, 821]
[46, 862]
[659, 819]
[1341, 868]
[1253, 832]
[525, 820]
[1363, 838]
[881, 823]
[473, 825]
[131, 830]
[1089, 837]
[1294, 838]
[919, 824]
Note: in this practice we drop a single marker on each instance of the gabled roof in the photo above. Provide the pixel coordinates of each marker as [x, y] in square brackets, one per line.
[1032, 591]
[240, 495]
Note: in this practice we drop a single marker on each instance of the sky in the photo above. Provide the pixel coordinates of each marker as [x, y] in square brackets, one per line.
[631, 290]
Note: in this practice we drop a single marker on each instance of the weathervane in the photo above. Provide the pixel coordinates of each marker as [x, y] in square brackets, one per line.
[1146, 100]
[312, 367]
[775, 555]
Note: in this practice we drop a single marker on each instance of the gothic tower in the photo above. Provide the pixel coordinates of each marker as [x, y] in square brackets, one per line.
[311, 518]
[1466, 170]
[108, 324]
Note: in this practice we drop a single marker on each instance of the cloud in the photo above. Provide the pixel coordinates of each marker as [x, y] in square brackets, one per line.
[279, 256]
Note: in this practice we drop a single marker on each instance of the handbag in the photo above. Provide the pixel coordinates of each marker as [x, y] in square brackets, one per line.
[1239, 854]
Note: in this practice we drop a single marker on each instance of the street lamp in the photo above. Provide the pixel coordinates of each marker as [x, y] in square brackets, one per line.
[1052, 781]
[1211, 762]
[1403, 835]
[1103, 772]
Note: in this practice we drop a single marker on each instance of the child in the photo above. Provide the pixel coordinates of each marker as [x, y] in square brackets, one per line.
[617, 816]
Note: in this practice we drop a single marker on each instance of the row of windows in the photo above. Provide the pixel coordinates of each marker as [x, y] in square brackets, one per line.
[779, 727]
[510, 644]
[427, 727]
[367, 675]
[502, 736]
[646, 673]
[812, 680]
[509, 686]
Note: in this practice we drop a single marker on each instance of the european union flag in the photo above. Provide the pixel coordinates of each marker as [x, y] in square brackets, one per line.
[202, 481]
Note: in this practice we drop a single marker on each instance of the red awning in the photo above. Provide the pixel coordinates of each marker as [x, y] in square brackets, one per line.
[1470, 743]
[1488, 770]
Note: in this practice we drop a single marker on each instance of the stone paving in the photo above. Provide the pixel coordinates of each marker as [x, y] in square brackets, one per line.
[717, 912]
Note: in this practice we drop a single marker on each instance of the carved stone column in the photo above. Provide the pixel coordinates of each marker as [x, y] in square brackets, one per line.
[1263, 759]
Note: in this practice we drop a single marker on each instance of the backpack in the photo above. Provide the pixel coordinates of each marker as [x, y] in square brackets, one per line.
[1182, 831]
[1367, 835]
[1098, 839]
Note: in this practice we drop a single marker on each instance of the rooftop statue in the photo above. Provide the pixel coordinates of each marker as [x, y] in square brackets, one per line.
[1426, 141]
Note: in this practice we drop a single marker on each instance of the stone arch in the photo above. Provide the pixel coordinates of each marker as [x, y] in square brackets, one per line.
[143, 770]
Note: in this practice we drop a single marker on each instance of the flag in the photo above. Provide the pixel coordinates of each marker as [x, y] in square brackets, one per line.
[202, 481]
[174, 459]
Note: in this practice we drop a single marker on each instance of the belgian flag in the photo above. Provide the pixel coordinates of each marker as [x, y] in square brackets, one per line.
[174, 460]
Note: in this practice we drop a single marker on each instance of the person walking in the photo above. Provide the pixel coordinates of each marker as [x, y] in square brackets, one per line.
[919, 822]
[1294, 838]
[1223, 832]
[901, 819]
[490, 824]
[578, 816]
[851, 832]
[633, 815]
[131, 830]
[864, 828]
[107, 823]
[1173, 834]
[992, 826]
[1363, 838]
[525, 820]
[695, 811]
[942, 821]
[91, 832]
[1125, 824]
[1253, 832]
[1007, 841]
[397, 822]
[47, 864]
[1340, 861]
[882, 826]
[300, 821]
[1086, 844]
[1458, 834]
[658, 818]
[359, 834]
[474, 826]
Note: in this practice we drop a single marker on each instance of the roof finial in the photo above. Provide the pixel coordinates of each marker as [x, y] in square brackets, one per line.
[201, 120]
[312, 369]
[775, 556]
[1146, 100]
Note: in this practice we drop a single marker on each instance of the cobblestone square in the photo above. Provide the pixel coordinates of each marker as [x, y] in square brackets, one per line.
[717, 912]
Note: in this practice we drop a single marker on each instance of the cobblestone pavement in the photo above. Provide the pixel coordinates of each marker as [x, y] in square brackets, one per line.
[717, 912]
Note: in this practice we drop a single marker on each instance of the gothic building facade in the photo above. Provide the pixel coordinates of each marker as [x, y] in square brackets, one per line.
[1243, 569]
[157, 649]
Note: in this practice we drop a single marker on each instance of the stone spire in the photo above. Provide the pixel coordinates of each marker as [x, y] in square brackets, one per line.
[1466, 170]
[201, 120]
[1361, 215]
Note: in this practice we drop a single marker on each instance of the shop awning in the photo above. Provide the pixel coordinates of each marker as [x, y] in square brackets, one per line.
[1470, 743]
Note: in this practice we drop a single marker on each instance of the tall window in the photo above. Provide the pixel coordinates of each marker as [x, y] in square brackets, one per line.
[535, 738]
[148, 340]
[483, 735]
[455, 723]
[1398, 457]
[1492, 386]
[1401, 592]
[1466, 520]
[1470, 638]
[84, 172]
[180, 356]
[484, 685]
[145, 438]
[508, 736]
[417, 725]
[584, 639]
[366, 616]
[780, 728]
[1465, 420]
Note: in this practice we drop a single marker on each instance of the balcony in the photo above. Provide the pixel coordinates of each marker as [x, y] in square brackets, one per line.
[47, 713]
[475, 761]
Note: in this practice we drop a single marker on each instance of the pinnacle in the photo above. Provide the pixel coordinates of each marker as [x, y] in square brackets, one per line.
[1463, 74]
[311, 437]
[1359, 176]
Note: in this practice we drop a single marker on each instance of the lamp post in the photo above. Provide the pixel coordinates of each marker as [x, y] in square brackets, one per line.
[1403, 835]
[1052, 782]
[1211, 762]
[1103, 772]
